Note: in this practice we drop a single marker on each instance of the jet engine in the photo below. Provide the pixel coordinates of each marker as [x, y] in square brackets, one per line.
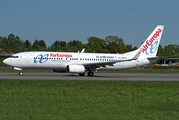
[75, 69]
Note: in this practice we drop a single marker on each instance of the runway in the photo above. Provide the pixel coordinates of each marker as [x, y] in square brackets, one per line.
[97, 77]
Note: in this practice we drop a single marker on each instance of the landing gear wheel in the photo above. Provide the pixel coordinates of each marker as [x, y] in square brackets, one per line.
[90, 73]
[81, 74]
[20, 73]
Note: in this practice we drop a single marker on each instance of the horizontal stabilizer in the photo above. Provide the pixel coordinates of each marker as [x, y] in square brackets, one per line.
[153, 57]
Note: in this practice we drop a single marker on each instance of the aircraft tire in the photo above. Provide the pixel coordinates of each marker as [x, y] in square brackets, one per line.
[20, 73]
[90, 73]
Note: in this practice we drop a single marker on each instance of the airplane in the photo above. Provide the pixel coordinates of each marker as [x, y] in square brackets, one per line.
[79, 63]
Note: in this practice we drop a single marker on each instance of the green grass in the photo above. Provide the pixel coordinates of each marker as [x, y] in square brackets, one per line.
[88, 100]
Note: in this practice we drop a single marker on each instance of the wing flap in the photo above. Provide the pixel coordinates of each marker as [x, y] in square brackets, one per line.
[98, 65]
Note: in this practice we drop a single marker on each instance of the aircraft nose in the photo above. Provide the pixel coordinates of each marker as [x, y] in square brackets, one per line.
[5, 61]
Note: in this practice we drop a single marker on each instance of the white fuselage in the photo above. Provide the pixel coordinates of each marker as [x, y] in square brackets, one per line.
[60, 60]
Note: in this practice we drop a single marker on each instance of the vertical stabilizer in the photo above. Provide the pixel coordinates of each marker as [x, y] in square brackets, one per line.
[149, 48]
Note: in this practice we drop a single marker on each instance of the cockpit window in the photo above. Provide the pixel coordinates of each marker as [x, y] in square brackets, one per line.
[14, 56]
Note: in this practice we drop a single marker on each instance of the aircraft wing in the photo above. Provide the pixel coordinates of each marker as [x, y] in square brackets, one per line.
[103, 64]
[97, 64]
[109, 63]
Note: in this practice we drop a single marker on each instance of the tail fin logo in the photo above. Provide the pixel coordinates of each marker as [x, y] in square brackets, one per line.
[153, 47]
[151, 40]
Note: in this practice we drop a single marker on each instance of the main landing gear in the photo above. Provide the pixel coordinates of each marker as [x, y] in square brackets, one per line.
[90, 73]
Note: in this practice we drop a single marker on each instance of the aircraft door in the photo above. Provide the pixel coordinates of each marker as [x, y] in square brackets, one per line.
[27, 58]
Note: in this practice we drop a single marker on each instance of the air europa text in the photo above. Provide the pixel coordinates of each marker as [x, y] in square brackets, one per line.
[151, 40]
[60, 55]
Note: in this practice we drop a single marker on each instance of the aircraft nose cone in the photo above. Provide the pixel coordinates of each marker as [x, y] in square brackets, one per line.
[5, 61]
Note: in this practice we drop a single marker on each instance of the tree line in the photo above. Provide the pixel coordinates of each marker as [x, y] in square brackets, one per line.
[110, 44]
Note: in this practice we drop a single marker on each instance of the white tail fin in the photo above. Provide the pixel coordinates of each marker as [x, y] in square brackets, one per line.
[149, 48]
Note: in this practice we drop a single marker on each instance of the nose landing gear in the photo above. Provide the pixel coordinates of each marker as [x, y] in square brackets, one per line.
[20, 73]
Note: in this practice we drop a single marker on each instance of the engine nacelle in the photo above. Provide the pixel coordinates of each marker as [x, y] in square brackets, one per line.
[75, 69]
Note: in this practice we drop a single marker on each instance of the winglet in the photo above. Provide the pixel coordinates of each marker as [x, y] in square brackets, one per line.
[83, 50]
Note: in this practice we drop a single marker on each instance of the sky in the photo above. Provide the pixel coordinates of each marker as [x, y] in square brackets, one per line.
[66, 20]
